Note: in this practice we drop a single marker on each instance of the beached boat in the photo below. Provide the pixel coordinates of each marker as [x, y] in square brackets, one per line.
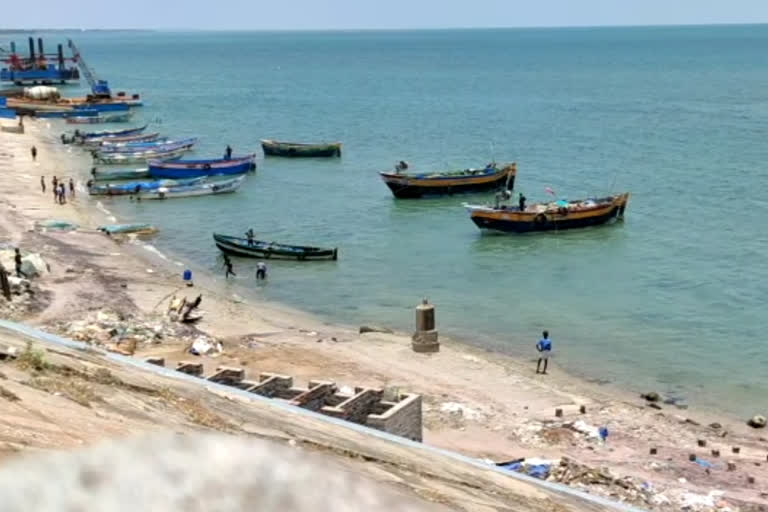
[136, 187]
[557, 215]
[199, 189]
[410, 186]
[141, 157]
[259, 249]
[100, 118]
[126, 139]
[107, 134]
[128, 229]
[300, 149]
[133, 147]
[194, 168]
[119, 174]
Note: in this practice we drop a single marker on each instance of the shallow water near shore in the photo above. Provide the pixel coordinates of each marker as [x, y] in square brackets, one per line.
[670, 299]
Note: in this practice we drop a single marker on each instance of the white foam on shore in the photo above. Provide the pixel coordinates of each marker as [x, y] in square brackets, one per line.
[106, 212]
[151, 248]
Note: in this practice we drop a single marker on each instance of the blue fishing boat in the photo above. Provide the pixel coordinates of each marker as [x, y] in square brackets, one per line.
[135, 187]
[103, 107]
[195, 168]
[65, 113]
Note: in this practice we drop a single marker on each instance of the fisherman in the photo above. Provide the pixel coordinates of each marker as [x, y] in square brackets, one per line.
[261, 271]
[71, 188]
[228, 267]
[521, 202]
[34, 153]
[250, 235]
[544, 346]
[17, 260]
[42, 183]
[228, 153]
[401, 166]
[89, 184]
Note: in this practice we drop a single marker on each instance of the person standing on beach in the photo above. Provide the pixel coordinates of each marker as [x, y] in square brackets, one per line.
[17, 260]
[544, 346]
[261, 271]
[34, 153]
[71, 188]
[62, 194]
[42, 183]
[228, 267]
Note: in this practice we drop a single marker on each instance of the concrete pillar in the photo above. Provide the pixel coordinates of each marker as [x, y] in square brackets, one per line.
[425, 337]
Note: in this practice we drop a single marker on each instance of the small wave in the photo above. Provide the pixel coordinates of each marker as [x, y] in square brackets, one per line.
[151, 248]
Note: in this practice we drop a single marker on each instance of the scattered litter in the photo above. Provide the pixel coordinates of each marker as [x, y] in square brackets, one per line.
[203, 346]
[585, 428]
[693, 501]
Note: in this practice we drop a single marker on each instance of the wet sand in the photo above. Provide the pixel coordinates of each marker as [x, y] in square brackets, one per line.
[476, 402]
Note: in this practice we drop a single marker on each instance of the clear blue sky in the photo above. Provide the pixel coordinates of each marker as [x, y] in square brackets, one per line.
[349, 14]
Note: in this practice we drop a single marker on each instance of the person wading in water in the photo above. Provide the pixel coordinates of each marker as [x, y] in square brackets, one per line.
[228, 267]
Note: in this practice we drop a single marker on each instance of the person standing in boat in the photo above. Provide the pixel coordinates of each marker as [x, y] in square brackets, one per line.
[261, 271]
[401, 166]
[228, 267]
[250, 236]
[544, 346]
[521, 202]
[228, 153]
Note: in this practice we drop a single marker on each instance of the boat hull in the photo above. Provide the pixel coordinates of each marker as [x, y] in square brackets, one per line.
[297, 150]
[195, 168]
[140, 158]
[409, 187]
[264, 250]
[99, 118]
[206, 189]
[119, 174]
[512, 221]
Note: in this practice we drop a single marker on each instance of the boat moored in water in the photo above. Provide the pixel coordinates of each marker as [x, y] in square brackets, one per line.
[136, 187]
[117, 141]
[141, 157]
[271, 250]
[553, 216]
[195, 168]
[411, 186]
[102, 135]
[300, 149]
[128, 229]
[204, 188]
[133, 147]
[97, 117]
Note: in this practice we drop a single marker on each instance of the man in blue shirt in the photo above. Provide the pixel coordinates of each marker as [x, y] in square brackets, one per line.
[544, 346]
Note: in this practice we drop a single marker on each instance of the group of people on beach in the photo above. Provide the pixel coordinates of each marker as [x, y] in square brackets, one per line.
[59, 189]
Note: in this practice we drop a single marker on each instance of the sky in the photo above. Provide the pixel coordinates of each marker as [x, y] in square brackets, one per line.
[374, 14]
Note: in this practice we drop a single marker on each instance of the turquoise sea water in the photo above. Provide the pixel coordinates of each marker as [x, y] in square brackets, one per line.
[673, 299]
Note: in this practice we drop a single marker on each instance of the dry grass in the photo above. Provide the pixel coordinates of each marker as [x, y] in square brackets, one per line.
[32, 359]
[72, 389]
[195, 411]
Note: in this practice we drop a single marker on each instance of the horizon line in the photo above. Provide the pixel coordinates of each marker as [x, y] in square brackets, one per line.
[377, 29]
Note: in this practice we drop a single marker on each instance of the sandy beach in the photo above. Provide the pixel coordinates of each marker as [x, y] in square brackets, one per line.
[478, 403]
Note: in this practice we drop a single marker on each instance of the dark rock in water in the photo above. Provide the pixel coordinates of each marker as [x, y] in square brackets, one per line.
[366, 328]
[715, 426]
[757, 421]
[651, 397]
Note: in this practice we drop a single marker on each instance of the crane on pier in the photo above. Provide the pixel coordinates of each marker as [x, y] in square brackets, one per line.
[99, 88]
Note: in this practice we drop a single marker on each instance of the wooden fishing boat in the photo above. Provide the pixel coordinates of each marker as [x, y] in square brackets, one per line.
[141, 157]
[100, 118]
[136, 187]
[558, 215]
[411, 186]
[117, 141]
[128, 229]
[300, 149]
[259, 249]
[133, 147]
[195, 168]
[199, 189]
[108, 134]
[30, 104]
[119, 174]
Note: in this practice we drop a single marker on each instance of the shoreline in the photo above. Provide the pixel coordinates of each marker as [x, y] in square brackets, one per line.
[504, 411]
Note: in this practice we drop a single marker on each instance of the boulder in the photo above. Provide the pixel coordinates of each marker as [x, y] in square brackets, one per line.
[651, 397]
[757, 421]
[367, 328]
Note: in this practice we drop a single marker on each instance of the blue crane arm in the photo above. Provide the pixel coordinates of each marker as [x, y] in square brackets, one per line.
[98, 87]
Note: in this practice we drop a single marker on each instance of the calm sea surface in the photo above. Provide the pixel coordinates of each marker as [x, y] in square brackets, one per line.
[673, 299]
